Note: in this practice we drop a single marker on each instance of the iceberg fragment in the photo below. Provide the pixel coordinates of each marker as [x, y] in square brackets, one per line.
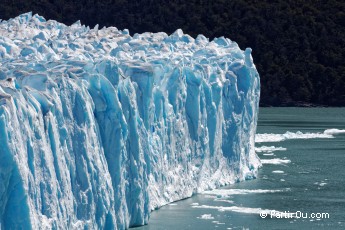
[98, 128]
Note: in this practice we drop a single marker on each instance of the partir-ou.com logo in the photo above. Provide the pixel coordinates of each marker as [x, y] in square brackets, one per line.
[289, 215]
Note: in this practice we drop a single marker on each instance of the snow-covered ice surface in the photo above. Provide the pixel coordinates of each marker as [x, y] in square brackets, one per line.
[98, 128]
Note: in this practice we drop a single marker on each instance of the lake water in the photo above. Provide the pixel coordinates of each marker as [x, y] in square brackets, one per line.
[305, 175]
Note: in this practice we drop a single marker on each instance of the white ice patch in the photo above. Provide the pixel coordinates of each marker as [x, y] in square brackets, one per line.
[237, 209]
[229, 192]
[247, 210]
[206, 217]
[321, 184]
[278, 171]
[334, 131]
[275, 161]
[271, 137]
[268, 149]
[268, 154]
[223, 200]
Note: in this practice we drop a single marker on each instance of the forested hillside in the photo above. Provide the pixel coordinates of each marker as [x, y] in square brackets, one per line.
[298, 45]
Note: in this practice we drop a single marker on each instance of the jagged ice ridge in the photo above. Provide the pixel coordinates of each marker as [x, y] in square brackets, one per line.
[98, 128]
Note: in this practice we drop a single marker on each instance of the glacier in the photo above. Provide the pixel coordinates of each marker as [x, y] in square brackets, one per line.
[98, 127]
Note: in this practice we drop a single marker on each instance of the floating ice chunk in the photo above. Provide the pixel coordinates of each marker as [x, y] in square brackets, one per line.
[224, 200]
[334, 131]
[271, 137]
[206, 217]
[246, 210]
[320, 183]
[269, 149]
[229, 192]
[275, 161]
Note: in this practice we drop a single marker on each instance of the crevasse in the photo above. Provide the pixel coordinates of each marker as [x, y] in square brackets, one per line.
[98, 128]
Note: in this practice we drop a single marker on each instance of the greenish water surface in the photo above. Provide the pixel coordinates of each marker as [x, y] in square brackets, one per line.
[308, 177]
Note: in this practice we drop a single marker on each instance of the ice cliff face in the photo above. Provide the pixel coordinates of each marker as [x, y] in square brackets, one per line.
[98, 128]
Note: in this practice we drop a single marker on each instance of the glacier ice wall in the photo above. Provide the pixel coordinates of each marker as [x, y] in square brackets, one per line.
[98, 128]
